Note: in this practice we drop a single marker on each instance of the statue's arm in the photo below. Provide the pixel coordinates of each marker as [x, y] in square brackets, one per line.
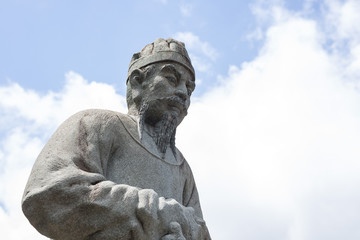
[67, 195]
[191, 200]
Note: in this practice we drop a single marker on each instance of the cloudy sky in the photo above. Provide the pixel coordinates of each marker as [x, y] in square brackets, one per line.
[273, 132]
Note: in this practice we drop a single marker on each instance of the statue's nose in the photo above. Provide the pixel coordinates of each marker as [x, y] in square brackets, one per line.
[181, 94]
[181, 91]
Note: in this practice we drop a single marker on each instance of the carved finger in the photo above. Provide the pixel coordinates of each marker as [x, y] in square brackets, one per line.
[175, 232]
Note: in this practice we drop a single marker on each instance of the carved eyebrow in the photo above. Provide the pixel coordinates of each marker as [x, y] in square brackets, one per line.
[191, 83]
[171, 68]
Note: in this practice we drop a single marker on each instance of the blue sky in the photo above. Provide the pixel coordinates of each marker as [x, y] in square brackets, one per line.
[273, 130]
[41, 40]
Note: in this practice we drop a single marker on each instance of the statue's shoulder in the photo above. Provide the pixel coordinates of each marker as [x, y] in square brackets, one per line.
[96, 117]
[98, 114]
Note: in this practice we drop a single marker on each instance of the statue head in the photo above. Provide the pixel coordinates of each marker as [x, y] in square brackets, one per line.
[160, 81]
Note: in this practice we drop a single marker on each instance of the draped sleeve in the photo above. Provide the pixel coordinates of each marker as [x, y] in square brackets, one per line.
[67, 195]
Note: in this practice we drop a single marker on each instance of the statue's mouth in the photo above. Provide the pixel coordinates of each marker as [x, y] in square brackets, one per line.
[177, 103]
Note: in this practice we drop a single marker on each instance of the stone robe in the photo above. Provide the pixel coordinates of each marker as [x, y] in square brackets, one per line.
[85, 182]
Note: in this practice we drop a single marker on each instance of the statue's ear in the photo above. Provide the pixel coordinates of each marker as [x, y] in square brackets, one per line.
[136, 78]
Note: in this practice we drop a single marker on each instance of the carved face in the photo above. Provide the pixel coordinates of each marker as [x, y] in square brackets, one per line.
[167, 89]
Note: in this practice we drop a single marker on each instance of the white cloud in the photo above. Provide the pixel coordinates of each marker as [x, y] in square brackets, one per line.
[193, 43]
[341, 22]
[202, 54]
[186, 9]
[30, 119]
[268, 12]
[344, 17]
[280, 141]
[53, 108]
[257, 34]
[162, 1]
[19, 152]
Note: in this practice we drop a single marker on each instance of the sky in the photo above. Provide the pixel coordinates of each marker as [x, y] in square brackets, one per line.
[273, 131]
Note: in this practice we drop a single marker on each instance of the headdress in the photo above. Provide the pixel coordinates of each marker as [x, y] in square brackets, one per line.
[161, 50]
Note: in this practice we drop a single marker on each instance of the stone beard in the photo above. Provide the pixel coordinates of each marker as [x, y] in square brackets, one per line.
[165, 128]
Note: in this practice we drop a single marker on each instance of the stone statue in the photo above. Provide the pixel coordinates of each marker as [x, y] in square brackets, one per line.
[107, 175]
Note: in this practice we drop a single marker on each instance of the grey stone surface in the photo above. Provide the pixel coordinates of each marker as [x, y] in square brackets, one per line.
[108, 175]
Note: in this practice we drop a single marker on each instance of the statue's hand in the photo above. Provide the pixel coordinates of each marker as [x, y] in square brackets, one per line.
[168, 219]
[175, 232]
[192, 226]
[147, 213]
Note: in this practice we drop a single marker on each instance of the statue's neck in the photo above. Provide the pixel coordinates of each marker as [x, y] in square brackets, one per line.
[161, 132]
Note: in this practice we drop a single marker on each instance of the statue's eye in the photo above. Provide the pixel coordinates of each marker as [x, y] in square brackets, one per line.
[190, 86]
[172, 79]
[189, 91]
